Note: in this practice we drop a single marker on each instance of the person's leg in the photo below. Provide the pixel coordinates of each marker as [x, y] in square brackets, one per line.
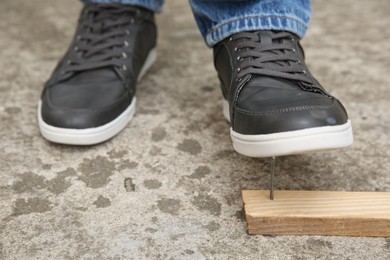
[90, 96]
[218, 20]
[153, 5]
[274, 104]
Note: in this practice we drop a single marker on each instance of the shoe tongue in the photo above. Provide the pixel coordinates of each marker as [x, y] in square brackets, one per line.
[97, 75]
[97, 28]
[265, 37]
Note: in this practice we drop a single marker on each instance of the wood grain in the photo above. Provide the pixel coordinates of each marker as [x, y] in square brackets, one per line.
[318, 213]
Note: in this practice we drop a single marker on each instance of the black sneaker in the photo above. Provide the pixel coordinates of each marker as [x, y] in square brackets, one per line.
[274, 104]
[90, 96]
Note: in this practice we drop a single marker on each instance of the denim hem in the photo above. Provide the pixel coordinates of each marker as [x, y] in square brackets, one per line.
[262, 22]
[152, 5]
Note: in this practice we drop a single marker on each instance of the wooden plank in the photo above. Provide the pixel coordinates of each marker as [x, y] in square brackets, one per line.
[317, 213]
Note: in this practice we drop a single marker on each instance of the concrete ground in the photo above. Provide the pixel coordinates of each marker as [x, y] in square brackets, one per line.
[168, 186]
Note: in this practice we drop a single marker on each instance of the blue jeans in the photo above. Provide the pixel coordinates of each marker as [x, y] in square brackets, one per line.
[218, 19]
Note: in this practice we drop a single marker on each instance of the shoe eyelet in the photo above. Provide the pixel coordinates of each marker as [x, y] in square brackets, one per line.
[299, 61]
[304, 72]
[124, 55]
[238, 57]
[68, 62]
[230, 39]
[126, 43]
[236, 49]
[127, 32]
[132, 21]
[123, 67]
[238, 69]
[78, 37]
[294, 50]
[76, 49]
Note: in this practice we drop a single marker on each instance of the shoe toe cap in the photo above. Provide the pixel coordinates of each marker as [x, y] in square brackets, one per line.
[76, 117]
[312, 110]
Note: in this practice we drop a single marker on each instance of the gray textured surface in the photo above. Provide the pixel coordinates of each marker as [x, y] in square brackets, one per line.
[169, 185]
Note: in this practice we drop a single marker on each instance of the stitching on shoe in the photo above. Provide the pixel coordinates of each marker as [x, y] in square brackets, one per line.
[82, 110]
[238, 89]
[287, 110]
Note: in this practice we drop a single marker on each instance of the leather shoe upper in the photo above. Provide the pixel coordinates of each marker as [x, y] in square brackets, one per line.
[95, 81]
[268, 86]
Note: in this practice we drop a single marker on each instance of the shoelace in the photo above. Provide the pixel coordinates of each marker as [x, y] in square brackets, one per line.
[101, 41]
[274, 57]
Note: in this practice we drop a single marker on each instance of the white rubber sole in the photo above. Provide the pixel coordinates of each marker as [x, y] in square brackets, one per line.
[292, 142]
[94, 135]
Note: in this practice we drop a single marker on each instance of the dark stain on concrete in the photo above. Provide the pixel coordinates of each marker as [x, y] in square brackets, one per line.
[102, 202]
[12, 110]
[46, 166]
[188, 252]
[316, 244]
[29, 182]
[200, 172]
[205, 202]
[152, 168]
[232, 199]
[129, 185]
[155, 150]
[132, 165]
[61, 182]
[177, 237]
[127, 164]
[113, 154]
[170, 206]
[158, 134]
[207, 88]
[224, 154]
[190, 146]
[96, 172]
[150, 242]
[212, 226]
[152, 184]
[31, 205]
[151, 230]
[240, 215]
